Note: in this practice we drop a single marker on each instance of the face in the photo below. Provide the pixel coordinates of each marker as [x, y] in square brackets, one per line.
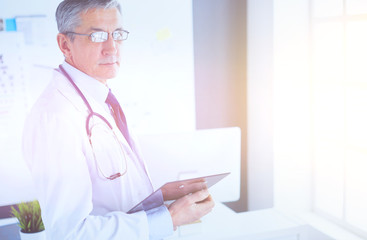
[98, 60]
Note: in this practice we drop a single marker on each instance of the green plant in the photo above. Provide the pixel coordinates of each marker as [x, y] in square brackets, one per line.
[29, 217]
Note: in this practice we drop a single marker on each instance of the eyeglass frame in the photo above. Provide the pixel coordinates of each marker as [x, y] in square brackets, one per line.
[90, 36]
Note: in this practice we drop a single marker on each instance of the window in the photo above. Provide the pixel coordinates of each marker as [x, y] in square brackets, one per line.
[339, 110]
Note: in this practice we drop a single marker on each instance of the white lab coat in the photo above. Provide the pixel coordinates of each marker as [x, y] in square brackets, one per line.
[76, 202]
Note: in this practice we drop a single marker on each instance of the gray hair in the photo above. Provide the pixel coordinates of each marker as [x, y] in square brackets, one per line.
[68, 12]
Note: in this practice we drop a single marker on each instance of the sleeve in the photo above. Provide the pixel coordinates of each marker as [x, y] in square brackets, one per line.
[160, 222]
[54, 154]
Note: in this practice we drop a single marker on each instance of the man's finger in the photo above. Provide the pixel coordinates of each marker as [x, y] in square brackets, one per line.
[199, 195]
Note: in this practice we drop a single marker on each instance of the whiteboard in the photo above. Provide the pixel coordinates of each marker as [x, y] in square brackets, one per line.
[155, 85]
[13, 105]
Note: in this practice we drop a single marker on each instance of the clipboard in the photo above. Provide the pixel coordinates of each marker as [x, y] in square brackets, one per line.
[171, 191]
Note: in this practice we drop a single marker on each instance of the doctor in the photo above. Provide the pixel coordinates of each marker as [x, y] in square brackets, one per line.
[85, 162]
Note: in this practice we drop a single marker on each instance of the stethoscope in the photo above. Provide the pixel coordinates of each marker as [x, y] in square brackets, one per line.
[92, 114]
[90, 110]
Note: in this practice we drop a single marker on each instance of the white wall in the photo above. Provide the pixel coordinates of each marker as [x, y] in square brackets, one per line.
[260, 103]
[279, 159]
[220, 72]
[292, 119]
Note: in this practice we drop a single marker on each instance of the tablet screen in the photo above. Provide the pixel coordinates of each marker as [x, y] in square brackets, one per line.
[175, 190]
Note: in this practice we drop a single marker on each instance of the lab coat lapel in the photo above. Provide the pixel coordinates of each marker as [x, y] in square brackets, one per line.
[67, 90]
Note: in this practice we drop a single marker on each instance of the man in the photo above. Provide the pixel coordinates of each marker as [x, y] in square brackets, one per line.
[85, 162]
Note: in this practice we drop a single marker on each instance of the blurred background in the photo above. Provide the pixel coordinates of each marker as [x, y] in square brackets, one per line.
[291, 74]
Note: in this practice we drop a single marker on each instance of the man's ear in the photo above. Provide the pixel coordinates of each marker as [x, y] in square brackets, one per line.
[64, 44]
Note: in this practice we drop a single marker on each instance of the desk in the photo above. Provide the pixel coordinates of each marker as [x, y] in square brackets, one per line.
[224, 224]
[268, 224]
[9, 229]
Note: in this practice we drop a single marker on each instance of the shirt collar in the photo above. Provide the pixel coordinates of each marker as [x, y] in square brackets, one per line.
[87, 84]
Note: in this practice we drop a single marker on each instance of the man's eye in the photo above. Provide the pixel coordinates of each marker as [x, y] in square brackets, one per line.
[99, 36]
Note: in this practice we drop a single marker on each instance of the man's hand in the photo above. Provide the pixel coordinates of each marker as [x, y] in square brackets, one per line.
[176, 190]
[190, 207]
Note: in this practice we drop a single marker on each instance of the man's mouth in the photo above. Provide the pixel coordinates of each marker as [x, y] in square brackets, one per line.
[108, 61]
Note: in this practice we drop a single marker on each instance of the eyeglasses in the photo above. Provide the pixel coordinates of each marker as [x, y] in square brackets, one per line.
[108, 151]
[98, 37]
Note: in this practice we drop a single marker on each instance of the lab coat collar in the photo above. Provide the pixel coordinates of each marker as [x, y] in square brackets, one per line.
[95, 88]
[99, 106]
[94, 91]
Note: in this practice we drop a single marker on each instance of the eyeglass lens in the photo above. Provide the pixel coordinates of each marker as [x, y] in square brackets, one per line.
[118, 35]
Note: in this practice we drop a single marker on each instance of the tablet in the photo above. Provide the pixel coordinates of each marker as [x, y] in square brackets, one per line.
[174, 190]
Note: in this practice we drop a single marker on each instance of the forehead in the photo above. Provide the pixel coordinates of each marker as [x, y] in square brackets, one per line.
[100, 18]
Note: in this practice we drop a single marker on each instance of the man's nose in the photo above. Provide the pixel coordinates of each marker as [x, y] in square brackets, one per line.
[110, 46]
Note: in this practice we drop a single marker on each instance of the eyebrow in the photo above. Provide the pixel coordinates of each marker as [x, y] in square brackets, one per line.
[101, 30]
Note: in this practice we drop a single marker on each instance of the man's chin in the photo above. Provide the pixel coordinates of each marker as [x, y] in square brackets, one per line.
[109, 71]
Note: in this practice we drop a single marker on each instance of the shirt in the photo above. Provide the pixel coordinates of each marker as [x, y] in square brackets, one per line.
[77, 202]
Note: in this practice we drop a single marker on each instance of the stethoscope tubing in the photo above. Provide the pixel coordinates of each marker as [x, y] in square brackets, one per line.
[90, 110]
